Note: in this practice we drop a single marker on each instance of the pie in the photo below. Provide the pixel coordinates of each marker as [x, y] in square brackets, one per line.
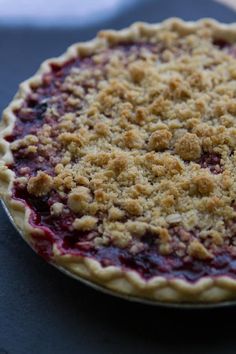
[118, 161]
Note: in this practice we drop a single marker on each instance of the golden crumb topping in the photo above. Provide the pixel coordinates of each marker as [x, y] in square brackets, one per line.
[40, 184]
[159, 140]
[188, 147]
[85, 223]
[204, 184]
[79, 199]
[145, 144]
[197, 250]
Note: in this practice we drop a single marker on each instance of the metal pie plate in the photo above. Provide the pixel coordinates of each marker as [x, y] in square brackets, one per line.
[104, 290]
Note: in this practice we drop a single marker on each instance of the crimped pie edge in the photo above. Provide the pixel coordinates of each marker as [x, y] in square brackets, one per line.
[158, 288]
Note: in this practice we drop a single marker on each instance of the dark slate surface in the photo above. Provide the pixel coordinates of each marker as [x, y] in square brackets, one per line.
[44, 312]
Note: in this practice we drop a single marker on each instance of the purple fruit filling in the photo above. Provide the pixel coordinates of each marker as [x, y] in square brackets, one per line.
[147, 263]
[225, 45]
[211, 161]
[221, 43]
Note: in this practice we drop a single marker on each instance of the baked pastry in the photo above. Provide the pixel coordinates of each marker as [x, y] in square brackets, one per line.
[118, 161]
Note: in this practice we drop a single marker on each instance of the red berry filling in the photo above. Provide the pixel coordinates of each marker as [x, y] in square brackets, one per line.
[147, 263]
[211, 161]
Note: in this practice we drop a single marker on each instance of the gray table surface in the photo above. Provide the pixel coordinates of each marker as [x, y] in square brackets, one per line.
[41, 310]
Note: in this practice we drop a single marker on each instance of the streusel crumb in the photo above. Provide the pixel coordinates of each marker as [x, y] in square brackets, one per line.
[204, 184]
[85, 223]
[188, 147]
[40, 184]
[159, 140]
[56, 209]
[197, 250]
[79, 199]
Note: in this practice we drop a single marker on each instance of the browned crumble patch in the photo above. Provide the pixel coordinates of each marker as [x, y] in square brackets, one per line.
[40, 185]
[204, 184]
[159, 140]
[188, 147]
[197, 250]
[130, 147]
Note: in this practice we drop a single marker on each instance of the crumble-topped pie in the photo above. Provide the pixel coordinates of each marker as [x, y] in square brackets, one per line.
[118, 160]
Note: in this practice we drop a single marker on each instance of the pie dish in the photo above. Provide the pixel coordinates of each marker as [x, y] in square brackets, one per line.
[118, 161]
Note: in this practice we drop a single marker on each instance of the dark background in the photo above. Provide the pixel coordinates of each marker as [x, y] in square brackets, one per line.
[41, 310]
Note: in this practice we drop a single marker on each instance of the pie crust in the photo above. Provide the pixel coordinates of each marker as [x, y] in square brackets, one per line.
[190, 156]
